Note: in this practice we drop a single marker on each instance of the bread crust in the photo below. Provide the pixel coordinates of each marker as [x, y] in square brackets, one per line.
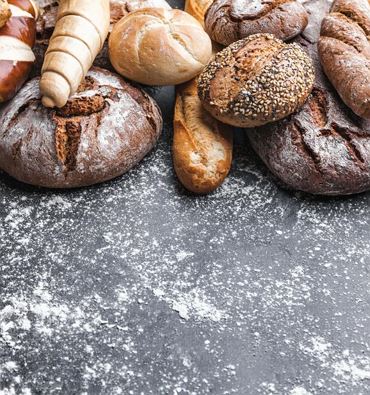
[324, 148]
[227, 21]
[105, 129]
[202, 146]
[159, 47]
[344, 50]
[197, 8]
[255, 81]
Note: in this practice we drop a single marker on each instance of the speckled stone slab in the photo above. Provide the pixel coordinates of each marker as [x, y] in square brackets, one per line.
[135, 286]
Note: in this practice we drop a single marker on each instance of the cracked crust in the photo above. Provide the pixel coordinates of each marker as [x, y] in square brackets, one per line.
[344, 51]
[159, 47]
[105, 129]
[227, 21]
[324, 148]
[255, 81]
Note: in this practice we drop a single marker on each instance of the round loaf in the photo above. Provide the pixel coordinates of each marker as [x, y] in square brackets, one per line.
[228, 21]
[159, 47]
[255, 81]
[106, 128]
[324, 148]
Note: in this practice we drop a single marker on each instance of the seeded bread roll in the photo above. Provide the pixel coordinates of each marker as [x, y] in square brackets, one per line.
[227, 21]
[155, 46]
[105, 129]
[255, 81]
[344, 50]
[324, 148]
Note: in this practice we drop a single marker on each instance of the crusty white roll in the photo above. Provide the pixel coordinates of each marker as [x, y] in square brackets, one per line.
[159, 46]
[17, 37]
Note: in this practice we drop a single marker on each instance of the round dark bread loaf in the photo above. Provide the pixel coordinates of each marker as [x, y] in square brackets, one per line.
[227, 21]
[324, 148]
[344, 50]
[257, 80]
[105, 129]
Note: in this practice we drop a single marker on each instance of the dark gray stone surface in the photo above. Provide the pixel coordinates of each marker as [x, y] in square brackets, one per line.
[135, 286]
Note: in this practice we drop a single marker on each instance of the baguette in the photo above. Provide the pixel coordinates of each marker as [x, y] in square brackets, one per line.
[80, 32]
[17, 37]
[198, 8]
[202, 146]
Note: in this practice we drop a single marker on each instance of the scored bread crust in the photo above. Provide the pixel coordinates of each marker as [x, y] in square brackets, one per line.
[105, 129]
[257, 80]
[155, 46]
[344, 50]
[227, 21]
[202, 146]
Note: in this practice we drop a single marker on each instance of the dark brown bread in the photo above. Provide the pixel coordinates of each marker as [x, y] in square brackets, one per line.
[228, 21]
[103, 131]
[255, 81]
[324, 148]
[344, 51]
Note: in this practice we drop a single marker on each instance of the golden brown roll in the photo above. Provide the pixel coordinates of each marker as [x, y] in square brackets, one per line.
[159, 47]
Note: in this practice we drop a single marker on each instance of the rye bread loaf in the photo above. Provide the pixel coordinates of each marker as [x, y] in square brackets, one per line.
[344, 50]
[227, 21]
[105, 129]
[324, 148]
[257, 80]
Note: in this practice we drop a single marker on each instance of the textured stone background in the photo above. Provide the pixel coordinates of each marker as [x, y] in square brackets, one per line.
[135, 286]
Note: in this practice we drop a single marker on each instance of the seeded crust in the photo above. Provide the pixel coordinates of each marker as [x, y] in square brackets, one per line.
[256, 81]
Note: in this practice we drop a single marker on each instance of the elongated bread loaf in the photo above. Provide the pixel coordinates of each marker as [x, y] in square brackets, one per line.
[344, 49]
[80, 32]
[202, 146]
[197, 8]
[17, 37]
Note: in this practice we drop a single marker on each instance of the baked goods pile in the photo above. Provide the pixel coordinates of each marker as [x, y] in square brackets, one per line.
[75, 124]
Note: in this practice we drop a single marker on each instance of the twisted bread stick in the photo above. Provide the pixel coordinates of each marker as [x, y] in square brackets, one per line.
[81, 29]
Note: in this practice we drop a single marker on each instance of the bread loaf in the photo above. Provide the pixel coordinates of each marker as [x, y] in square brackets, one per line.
[17, 37]
[5, 13]
[202, 146]
[81, 29]
[255, 81]
[159, 47]
[106, 128]
[344, 50]
[227, 21]
[197, 8]
[323, 148]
